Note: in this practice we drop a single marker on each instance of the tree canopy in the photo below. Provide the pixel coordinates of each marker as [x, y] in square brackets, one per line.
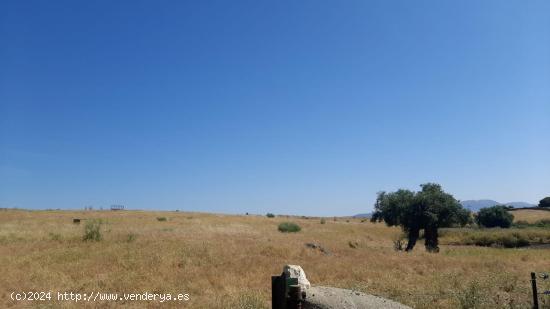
[545, 202]
[428, 210]
[495, 216]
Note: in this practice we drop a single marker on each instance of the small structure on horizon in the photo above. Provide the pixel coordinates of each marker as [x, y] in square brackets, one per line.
[117, 207]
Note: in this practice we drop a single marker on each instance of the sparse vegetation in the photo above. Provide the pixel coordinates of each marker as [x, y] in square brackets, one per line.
[399, 242]
[92, 230]
[543, 223]
[161, 219]
[214, 254]
[289, 227]
[246, 300]
[55, 236]
[131, 237]
[471, 297]
[506, 238]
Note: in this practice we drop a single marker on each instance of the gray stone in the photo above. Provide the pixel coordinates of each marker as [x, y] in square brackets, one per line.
[315, 246]
[320, 297]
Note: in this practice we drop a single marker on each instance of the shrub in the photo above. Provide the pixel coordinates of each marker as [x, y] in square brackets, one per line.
[499, 238]
[92, 230]
[162, 219]
[270, 215]
[289, 227]
[323, 221]
[131, 237]
[496, 216]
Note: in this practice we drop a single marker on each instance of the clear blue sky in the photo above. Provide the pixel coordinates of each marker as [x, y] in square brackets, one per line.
[303, 107]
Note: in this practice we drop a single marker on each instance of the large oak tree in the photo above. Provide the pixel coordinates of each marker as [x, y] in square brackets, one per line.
[428, 210]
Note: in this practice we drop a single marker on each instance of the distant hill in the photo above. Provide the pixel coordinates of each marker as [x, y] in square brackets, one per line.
[367, 215]
[475, 205]
[520, 204]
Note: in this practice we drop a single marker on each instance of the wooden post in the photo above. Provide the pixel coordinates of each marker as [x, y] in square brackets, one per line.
[278, 292]
[535, 293]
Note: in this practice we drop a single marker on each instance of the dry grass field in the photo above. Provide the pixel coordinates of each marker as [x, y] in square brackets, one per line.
[530, 215]
[225, 261]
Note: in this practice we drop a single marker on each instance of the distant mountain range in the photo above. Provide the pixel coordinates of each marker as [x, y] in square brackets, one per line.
[475, 205]
[367, 215]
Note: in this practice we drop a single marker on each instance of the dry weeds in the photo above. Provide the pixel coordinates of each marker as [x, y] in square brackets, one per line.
[530, 215]
[226, 261]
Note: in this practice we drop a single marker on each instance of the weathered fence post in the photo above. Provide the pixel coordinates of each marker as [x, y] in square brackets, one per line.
[278, 291]
[535, 293]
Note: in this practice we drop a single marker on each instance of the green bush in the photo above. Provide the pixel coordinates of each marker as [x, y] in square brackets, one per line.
[513, 240]
[131, 237]
[289, 227]
[496, 216]
[323, 221]
[92, 230]
[162, 219]
[270, 215]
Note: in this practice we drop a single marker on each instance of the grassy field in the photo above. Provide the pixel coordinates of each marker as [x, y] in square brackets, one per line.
[226, 261]
[530, 215]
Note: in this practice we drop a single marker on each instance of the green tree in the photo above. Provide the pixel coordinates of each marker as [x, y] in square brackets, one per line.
[428, 210]
[495, 216]
[545, 202]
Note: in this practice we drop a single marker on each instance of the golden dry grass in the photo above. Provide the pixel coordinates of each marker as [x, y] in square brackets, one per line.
[226, 261]
[530, 215]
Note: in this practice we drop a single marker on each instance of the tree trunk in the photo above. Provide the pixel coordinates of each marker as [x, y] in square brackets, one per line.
[413, 236]
[431, 241]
